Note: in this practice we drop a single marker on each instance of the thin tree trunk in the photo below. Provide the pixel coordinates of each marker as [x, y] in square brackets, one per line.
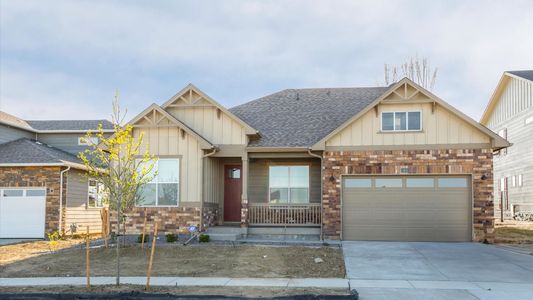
[118, 243]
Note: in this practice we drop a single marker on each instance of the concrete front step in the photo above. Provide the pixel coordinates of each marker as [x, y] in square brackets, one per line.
[225, 229]
[224, 236]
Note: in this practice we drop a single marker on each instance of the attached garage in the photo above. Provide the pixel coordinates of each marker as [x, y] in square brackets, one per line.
[407, 208]
[22, 213]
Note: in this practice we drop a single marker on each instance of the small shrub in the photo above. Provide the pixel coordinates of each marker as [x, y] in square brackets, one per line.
[53, 240]
[204, 238]
[171, 238]
[146, 238]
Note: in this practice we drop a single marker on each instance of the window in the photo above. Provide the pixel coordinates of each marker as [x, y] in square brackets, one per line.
[95, 191]
[35, 193]
[82, 141]
[234, 173]
[389, 182]
[502, 184]
[503, 134]
[422, 182]
[289, 184]
[451, 182]
[520, 180]
[401, 121]
[13, 193]
[163, 190]
[513, 180]
[358, 183]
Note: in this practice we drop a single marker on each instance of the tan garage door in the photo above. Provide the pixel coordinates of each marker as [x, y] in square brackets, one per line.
[407, 208]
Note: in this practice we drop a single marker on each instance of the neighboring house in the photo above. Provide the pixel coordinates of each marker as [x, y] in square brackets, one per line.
[510, 114]
[39, 166]
[375, 163]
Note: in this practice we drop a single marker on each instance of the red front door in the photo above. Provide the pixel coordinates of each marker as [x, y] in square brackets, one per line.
[232, 193]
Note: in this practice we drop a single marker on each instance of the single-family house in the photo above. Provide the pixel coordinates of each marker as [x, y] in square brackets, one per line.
[369, 163]
[510, 114]
[38, 167]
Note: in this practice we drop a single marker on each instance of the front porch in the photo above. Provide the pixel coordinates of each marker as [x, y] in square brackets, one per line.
[245, 195]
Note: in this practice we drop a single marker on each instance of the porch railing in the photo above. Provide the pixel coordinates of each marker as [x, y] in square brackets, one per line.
[284, 214]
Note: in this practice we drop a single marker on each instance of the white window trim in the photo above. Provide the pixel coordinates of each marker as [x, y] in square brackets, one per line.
[406, 121]
[157, 189]
[83, 142]
[88, 187]
[289, 185]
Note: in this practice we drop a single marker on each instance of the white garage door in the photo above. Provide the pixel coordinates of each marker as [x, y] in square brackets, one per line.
[22, 213]
[407, 208]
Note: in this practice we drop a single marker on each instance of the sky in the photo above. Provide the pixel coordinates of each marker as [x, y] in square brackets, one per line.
[66, 59]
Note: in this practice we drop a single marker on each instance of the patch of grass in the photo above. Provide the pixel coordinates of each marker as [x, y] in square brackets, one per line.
[513, 235]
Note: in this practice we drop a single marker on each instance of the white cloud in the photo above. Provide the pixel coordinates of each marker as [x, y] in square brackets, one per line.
[241, 49]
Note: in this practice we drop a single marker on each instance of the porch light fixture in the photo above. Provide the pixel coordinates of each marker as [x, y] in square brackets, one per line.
[484, 177]
[332, 178]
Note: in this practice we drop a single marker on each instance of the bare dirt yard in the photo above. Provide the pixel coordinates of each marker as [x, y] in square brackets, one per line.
[28, 259]
[226, 291]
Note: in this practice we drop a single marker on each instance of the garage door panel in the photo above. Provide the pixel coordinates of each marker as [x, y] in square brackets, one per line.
[22, 217]
[407, 214]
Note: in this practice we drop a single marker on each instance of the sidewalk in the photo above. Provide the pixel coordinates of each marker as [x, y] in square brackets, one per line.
[333, 283]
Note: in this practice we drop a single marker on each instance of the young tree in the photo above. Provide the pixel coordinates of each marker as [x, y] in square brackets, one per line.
[117, 164]
[415, 69]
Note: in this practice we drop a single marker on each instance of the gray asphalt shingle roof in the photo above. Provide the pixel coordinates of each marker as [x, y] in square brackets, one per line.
[69, 124]
[526, 74]
[302, 117]
[26, 151]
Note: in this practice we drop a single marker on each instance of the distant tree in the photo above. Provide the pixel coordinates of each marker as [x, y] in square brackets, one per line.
[415, 69]
[117, 163]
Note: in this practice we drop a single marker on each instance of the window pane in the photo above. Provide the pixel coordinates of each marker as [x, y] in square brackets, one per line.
[143, 167]
[387, 121]
[147, 195]
[279, 195]
[400, 121]
[167, 194]
[414, 120]
[453, 182]
[35, 193]
[358, 183]
[279, 176]
[13, 193]
[388, 182]
[299, 195]
[299, 176]
[168, 170]
[235, 173]
[420, 182]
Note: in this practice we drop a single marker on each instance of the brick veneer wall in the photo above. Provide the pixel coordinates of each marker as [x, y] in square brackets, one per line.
[477, 162]
[170, 219]
[38, 177]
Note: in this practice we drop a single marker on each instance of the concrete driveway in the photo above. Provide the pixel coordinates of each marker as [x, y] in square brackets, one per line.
[382, 270]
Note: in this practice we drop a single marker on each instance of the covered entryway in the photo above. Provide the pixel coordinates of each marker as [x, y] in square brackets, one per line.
[407, 208]
[22, 213]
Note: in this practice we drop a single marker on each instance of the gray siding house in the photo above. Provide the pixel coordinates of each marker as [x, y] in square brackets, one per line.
[38, 167]
[510, 114]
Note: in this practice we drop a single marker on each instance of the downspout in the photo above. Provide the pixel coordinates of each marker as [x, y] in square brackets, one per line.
[321, 189]
[215, 149]
[61, 198]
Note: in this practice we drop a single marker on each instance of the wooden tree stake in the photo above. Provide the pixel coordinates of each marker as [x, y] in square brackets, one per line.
[149, 273]
[88, 259]
[144, 229]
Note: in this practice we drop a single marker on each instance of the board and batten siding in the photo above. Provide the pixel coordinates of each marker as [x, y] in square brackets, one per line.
[216, 127]
[513, 108]
[76, 210]
[440, 127]
[8, 134]
[169, 142]
[213, 183]
[515, 98]
[258, 180]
